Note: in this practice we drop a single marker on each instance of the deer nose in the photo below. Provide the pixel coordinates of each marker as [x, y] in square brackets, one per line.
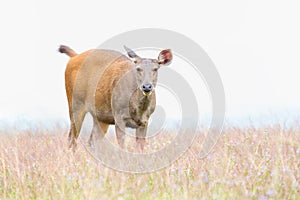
[147, 87]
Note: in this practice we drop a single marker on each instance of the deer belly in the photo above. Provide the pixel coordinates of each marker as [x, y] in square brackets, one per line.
[107, 118]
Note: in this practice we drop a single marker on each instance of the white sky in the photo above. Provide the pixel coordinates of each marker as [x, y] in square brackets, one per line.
[255, 46]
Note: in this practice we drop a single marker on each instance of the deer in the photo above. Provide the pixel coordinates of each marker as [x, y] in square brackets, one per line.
[115, 89]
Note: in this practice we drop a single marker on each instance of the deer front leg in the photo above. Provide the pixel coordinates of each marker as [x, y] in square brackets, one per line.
[141, 138]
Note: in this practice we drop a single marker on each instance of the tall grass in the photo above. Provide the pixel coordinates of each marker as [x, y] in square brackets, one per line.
[248, 163]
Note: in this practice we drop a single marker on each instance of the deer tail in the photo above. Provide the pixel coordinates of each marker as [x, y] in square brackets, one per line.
[67, 50]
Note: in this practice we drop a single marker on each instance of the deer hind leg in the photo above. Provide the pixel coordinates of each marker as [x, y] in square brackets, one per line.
[120, 132]
[77, 118]
[98, 132]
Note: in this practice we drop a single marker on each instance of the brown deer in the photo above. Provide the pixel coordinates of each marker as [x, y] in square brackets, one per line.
[113, 89]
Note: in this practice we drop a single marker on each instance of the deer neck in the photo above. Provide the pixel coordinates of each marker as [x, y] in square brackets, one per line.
[140, 105]
[140, 101]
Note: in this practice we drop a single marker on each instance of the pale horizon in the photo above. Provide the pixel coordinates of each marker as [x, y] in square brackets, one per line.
[255, 50]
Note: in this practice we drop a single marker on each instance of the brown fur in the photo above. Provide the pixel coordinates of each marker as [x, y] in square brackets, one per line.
[95, 83]
[81, 72]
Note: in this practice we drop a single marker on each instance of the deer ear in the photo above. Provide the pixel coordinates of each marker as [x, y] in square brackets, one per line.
[165, 57]
[131, 53]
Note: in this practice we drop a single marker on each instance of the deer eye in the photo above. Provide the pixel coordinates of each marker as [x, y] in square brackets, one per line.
[139, 69]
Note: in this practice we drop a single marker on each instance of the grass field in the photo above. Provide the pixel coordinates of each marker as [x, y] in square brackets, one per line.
[246, 163]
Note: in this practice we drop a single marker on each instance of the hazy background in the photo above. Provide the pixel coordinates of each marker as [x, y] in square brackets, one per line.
[255, 46]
